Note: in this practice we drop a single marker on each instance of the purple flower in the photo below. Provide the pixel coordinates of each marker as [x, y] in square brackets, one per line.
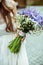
[41, 23]
[33, 14]
[21, 13]
[32, 9]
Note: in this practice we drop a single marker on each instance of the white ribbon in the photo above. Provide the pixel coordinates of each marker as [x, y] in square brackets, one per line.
[22, 33]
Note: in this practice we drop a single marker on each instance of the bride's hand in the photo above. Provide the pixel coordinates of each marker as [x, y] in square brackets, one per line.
[17, 33]
[23, 38]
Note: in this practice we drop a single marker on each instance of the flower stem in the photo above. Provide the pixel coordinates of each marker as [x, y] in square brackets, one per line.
[15, 44]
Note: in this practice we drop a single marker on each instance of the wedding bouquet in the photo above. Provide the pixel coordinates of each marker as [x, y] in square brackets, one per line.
[28, 22]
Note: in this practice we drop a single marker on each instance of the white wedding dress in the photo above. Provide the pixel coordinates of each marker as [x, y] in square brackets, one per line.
[6, 57]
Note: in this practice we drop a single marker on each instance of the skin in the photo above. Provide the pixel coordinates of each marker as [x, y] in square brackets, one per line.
[17, 33]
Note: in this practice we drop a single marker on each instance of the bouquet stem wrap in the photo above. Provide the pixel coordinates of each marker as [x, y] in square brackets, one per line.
[15, 44]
